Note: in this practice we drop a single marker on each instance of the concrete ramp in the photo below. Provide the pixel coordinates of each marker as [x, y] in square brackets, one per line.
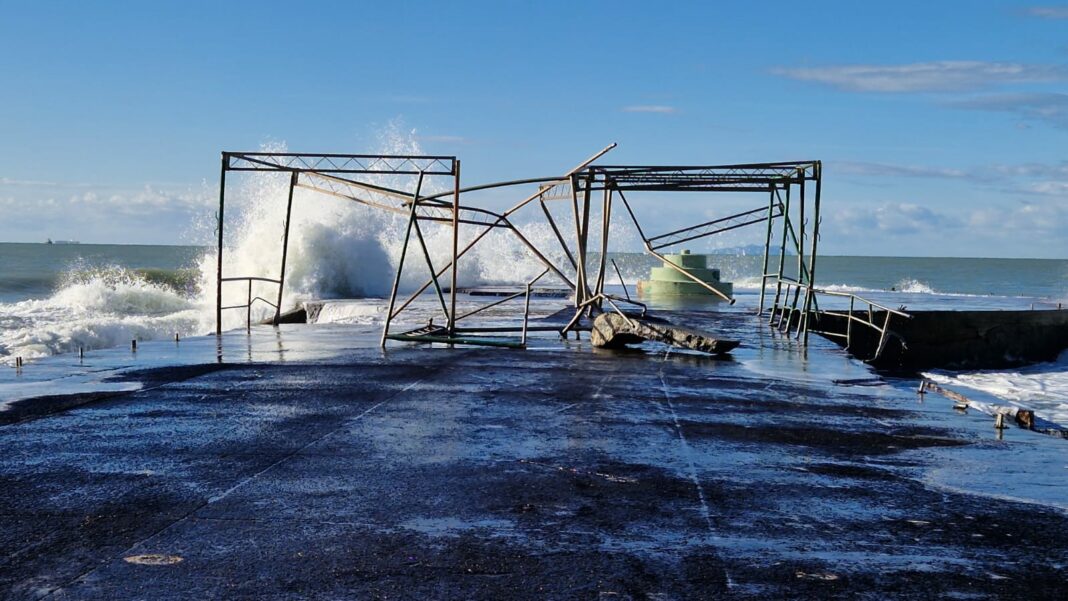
[612, 330]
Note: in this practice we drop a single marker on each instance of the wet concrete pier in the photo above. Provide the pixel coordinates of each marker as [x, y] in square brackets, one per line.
[559, 473]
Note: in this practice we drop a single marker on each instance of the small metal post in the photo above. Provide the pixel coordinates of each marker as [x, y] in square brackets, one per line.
[248, 308]
[620, 276]
[81, 352]
[133, 345]
[526, 315]
[849, 326]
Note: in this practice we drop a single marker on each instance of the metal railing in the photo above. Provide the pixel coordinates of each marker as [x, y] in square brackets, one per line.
[249, 298]
[431, 333]
[789, 314]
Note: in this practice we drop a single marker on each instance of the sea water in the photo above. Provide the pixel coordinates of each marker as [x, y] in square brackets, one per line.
[62, 298]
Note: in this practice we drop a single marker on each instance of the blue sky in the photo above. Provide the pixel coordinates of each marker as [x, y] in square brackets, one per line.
[943, 126]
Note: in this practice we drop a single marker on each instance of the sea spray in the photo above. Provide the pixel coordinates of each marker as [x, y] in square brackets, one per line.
[337, 249]
[344, 249]
[90, 312]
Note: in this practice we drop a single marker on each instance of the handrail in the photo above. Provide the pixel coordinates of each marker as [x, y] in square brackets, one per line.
[505, 299]
[250, 299]
[786, 314]
[258, 279]
[860, 298]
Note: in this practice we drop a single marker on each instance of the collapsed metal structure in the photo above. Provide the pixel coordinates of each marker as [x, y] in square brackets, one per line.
[792, 190]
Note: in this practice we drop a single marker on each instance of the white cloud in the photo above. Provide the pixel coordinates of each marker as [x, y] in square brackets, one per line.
[897, 218]
[650, 108]
[149, 197]
[936, 76]
[889, 170]
[1033, 170]
[1028, 178]
[1048, 12]
[7, 181]
[1027, 217]
[1050, 107]
[1049, 188]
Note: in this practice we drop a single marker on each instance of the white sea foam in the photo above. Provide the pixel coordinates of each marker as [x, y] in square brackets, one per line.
[366, 311]
[751, 283]
[846, 288]
[1042, 387]
[337, 249]
[102, 311]
[340, 249]
[914, 286]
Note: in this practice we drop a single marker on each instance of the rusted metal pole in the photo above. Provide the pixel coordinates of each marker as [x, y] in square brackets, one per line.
[533, 249]
[400, 263]
[503, 217]
[621, 282]
[800, 246]
[219, 270]
[584, 236]
[810, 296]
[556, 232]
[606, 224]
[767, 246]
[430, 267]
[538, 254]
[455, 247]
[782, 255]
[285, 248]
[633, 218]
[580, 265]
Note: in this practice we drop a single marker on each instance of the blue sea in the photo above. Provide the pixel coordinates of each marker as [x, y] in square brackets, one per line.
[61, 298]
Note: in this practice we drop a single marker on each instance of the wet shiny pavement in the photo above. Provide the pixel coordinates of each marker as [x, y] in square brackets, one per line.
[562, 473]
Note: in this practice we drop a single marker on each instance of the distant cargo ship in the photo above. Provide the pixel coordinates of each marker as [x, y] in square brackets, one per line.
[50, 241]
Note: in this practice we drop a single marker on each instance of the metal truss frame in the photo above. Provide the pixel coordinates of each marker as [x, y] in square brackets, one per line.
[793, 190]
[335, 175]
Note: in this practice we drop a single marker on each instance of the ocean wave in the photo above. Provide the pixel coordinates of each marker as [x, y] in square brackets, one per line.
[336, 249]
[89, 312]
[1042, 387]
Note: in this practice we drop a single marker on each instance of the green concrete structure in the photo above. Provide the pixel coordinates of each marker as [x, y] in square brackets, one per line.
[668, 281]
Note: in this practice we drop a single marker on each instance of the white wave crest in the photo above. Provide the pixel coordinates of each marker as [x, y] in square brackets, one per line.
[99, 311]
[914, 287]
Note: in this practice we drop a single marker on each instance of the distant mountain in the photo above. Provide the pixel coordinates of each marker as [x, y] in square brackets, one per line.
[749, 249]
